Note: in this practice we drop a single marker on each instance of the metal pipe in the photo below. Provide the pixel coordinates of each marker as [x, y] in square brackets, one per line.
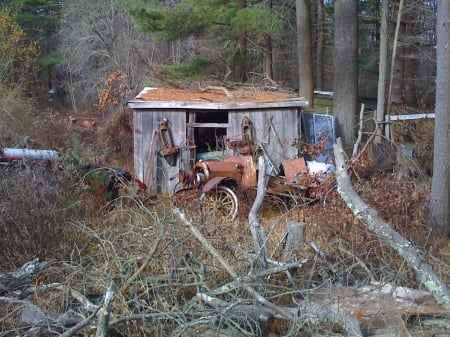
[18, 154]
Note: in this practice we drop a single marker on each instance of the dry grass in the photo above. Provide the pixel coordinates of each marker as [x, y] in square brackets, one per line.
[157, 265]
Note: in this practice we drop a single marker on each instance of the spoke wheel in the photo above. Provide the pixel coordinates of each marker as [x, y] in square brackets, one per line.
[222, 203]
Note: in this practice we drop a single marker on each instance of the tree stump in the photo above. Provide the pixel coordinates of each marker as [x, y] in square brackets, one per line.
[294, 239]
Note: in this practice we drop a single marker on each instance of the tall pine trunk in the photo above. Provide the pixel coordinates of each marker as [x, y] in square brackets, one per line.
[240, 59]
[320, 46]
[345, 69]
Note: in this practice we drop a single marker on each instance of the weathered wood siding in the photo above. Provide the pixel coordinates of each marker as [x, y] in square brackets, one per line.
[145, 122]
[276, 130]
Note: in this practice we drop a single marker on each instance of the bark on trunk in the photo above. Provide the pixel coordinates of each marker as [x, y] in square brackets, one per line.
[259, 238]
[268, 57]
[320, 46]
[369, 217]
[305, 66]
[382, 69]
[345, 70]
[440, 186]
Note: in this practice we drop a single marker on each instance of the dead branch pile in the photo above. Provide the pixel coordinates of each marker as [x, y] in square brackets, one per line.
[150, 270]
[152, 273]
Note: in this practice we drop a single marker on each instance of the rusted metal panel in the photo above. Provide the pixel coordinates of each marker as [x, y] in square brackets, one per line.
[240, 169]
[294, 167]
[248, 170]
[213, 183]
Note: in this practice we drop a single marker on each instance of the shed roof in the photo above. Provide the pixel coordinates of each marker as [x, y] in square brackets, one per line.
[214, 98]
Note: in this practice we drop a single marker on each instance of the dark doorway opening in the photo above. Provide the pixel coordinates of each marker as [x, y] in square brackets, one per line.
[210, 130]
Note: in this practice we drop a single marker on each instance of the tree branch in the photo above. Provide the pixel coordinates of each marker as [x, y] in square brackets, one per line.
[369, 217]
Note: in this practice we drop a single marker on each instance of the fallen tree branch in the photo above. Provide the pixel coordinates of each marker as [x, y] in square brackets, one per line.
[279, 268]
[360, 130]
[145, 263]
[259, 238]
[105, 313]
[80, 326]
[215, 88]
[308, 313]
[369, 217]
[85, 303]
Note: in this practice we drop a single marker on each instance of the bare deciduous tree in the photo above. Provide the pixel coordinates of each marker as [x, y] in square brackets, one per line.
[97, 38]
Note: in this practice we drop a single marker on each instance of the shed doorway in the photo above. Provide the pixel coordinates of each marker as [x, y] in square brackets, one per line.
[208, 130]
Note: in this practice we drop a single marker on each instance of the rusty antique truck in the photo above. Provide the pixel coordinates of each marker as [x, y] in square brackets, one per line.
[218, 181]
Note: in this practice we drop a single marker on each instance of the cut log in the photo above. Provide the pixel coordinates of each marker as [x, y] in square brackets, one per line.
[294, 239]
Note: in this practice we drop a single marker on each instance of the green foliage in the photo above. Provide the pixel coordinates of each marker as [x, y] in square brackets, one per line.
[39, 20]
[148, 20]
[169, 23]
[368, 62]
[52, 59]
[256, 20]
[218, 21]
[36, 17]
[197, 17]
[77, 154]
[193, 70]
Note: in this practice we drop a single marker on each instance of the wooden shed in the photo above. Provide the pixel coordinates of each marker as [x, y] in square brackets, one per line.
[174, 128]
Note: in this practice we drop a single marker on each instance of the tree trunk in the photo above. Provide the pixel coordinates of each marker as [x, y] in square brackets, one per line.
[268, 57]
[268, 52]
[385, 233]
[345, 69]
[320, 46]
[382, 69]
[440, 186]
[240, 58]
[305, 66]
[395, 89]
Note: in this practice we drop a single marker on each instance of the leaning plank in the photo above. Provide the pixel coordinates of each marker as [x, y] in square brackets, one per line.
[369, 217]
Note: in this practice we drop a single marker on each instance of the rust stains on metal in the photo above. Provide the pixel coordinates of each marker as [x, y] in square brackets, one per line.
[293, 168]
[239, 169]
